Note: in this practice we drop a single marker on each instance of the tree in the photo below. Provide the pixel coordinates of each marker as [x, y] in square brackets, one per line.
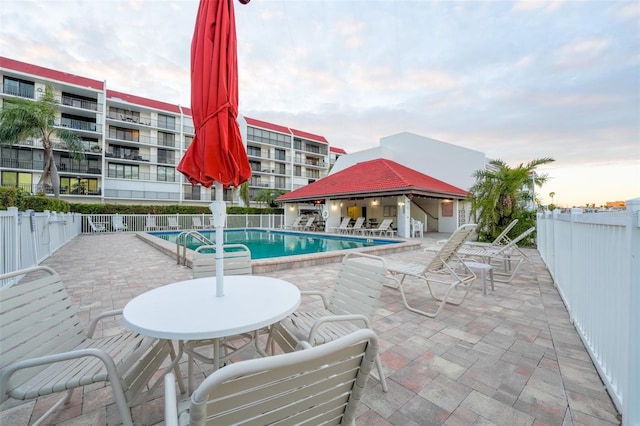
[502, 194]
[268, 196]
[21, 119]
[244, 193]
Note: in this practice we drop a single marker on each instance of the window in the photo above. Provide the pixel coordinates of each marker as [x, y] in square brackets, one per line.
[124, 114]
[167, 139]
[166, 156]
[78, 101]
[281, 182]
[166, 122]
[123, 171]
[166, 174]
[124, 134]
[126, 152]
[297, 170]
[187, 141]
[192, 192]
[280, 154]
[79, 186]
[281, 168]
[17, 179]
[255, 165]
[16, 87]
[253, 151]
[268, 137]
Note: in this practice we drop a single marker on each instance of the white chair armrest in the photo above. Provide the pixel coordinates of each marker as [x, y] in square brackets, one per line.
[323, 296]
[94, 322]
[170, 401]
[337, 318]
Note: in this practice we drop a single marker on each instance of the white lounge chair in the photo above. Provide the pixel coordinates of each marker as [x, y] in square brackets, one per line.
[349, 306]
[172, 222]
[308, 226]
[118, 224]
[97, 226]
[44, 349]
[343, 227]
[446, 268]
[295, 224]
[316, 385]
[501, 257]
[383, 229]
[357, 227]
[500, 240]
[196, 222]
[150, 223]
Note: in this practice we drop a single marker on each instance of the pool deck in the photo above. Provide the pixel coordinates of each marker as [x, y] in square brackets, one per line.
[511, 357]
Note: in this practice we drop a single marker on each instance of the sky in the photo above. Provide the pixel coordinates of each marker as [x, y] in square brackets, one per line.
[516, 80]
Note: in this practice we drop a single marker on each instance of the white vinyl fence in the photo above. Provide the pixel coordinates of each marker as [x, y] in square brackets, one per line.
[594, 259]
[28, 238]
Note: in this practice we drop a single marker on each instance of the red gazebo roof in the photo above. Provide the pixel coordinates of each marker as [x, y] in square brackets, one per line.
[374, 178]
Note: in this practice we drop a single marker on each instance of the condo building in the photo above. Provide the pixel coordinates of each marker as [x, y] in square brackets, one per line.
[132, 145]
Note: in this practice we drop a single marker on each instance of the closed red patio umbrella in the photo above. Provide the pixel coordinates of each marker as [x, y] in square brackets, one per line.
[216, 154]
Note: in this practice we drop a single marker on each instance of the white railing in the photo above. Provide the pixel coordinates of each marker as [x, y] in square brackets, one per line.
[28, 238]
[159, 222]
[594, 259]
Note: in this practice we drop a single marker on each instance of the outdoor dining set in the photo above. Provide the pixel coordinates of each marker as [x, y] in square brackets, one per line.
[310, 362]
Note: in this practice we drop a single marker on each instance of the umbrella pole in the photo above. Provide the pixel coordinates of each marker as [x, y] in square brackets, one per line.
[219, 210]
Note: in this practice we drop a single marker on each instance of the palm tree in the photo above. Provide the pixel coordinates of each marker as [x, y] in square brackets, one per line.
[502, 194]
[268, 196]
[21, 119]
[244, 193]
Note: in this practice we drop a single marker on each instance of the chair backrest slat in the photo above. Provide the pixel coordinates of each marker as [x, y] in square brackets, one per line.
[37, 318]
[451, 247]
[359, 284]
[324, 382]
[236, 259]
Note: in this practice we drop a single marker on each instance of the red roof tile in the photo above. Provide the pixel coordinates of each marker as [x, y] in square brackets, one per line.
[50, 74]
[265, 125]
[337, 150]
[309, 136]
[138, 100]
[375, 177]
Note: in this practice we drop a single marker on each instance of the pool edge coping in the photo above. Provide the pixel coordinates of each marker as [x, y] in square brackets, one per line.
[260, 266]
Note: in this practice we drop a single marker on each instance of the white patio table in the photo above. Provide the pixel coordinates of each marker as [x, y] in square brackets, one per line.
[190, 310]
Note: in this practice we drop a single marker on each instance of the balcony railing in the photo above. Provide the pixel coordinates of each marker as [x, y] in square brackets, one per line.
[79, 103]
[152, 177]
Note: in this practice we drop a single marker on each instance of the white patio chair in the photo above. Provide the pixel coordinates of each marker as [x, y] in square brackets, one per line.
[316, 385]
[343, 227]
[44, 349]
[445, 268]
[416, 229]
[118, 224]
[349, 306]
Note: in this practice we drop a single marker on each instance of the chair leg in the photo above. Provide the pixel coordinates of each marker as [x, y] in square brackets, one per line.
[54, 407]
[382, 379]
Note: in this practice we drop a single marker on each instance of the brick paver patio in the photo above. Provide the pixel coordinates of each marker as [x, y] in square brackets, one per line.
[509, 358]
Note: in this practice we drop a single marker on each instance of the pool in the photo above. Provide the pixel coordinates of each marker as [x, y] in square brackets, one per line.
[298, 250]
[265, 244]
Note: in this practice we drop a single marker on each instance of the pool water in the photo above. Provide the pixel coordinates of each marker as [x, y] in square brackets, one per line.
[265, 244]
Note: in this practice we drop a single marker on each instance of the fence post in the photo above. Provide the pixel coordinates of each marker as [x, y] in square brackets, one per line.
[631, 407]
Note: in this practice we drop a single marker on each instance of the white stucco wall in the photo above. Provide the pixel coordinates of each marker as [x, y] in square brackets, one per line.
[449, 163]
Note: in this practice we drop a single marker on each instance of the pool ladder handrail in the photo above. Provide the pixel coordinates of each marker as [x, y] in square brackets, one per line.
[184, 237]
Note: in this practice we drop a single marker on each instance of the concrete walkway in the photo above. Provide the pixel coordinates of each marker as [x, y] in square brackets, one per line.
[509, 358]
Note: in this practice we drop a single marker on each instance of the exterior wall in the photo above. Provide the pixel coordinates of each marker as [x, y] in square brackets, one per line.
[449, 163]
